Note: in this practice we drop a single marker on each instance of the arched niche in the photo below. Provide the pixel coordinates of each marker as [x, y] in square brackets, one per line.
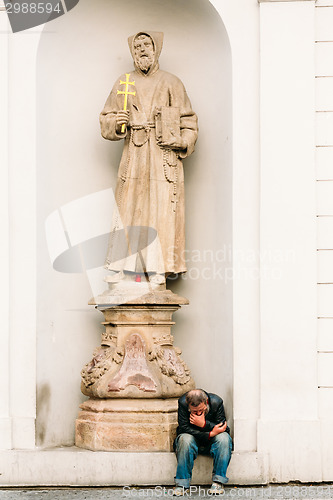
[80, 56]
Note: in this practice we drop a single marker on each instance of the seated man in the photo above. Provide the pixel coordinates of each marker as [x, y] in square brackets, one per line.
[202, 428]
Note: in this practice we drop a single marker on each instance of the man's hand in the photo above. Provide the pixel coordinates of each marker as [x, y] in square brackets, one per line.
[218, 429]
[198, 420]
[122, 118]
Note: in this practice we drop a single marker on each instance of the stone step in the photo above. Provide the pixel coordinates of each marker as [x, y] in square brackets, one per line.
[77, 467]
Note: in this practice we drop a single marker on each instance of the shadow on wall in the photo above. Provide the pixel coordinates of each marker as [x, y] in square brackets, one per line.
[43, 410]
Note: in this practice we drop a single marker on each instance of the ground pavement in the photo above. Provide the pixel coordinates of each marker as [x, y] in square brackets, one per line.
[294, 491]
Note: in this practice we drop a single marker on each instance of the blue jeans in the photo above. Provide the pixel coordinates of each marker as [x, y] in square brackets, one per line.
[187, 450]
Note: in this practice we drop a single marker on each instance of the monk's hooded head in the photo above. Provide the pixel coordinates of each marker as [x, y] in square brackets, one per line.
[145, 49]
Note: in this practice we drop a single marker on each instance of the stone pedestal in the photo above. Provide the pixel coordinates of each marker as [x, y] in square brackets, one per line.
[136, 374]
[127, 425]
[137, 358]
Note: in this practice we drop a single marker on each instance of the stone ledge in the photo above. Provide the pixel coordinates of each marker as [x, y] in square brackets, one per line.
[77, 467]
[262, 1]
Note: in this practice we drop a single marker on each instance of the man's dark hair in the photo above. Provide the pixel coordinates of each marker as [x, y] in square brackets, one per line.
[195, 397]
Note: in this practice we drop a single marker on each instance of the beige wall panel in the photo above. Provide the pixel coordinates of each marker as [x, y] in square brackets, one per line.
[324, 128]
[22, 235]
[5, 422]
[324, 24]
[324, 163]
[325, 198]
[325, 266]
[287, 128]
[288, 446]
[323, 3]
[325, 232]
[325, 401]
[324, 59]
[327, 450]
[325, 335]
[324, 91]
[325, 301]
[325, 369]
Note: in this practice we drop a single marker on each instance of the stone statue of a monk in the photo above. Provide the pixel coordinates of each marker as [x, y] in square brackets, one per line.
[150, 110]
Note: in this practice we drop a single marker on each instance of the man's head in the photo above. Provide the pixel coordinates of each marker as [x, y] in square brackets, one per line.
[144, 52]
[197, 402]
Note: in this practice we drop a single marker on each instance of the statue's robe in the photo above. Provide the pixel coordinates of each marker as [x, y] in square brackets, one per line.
[150, 184]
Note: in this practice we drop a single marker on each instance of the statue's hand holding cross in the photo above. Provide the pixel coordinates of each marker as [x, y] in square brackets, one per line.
[123, 116]
[122, 119]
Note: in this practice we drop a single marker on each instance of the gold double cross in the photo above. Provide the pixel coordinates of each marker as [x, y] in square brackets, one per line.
[125, 93]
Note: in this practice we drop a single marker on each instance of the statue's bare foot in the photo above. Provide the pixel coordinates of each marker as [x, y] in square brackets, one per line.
[157, 279]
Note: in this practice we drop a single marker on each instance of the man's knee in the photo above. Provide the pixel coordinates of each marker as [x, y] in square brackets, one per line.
[223, 440]
[185, 441]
